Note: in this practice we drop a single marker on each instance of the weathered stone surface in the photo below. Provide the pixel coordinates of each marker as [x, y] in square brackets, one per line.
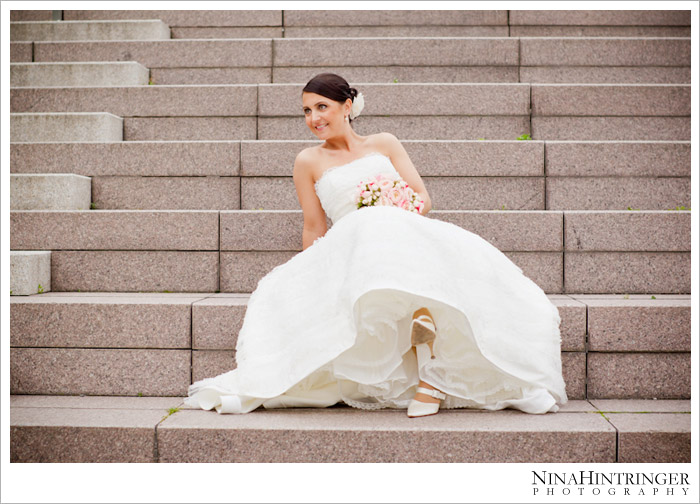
[574, 373]
[573, 322]
[94, 402]
[391, 74]
[61, 191]
[208, 363]
[174, 53]
[627, 272]
[622, 159]
[638, 325]
[221, 75]
[642, 405]
[65, 127]
[599, 31]
[610, 100]
[627, 231]
[93, 30]
[543, 268]
[343, 434]
[75, 371]
[226, 32]
[135, 271]
[241, 271]
[124, 230]
[128, 158]
[30, 272]
[167, 193]
[394, 17]
[189, 128]
[610, 128]
[153, 101]
[653, 437]
[594, 52]
[140, 321]
[127, 73]
[395, 31]
[216, 322]
[600, 17]
[395, 51]
[30, 15]
[638, 375]
[187, 17]
[604, 75]
[21, 51]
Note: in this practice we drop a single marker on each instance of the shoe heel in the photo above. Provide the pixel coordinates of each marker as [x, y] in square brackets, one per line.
[423, 332]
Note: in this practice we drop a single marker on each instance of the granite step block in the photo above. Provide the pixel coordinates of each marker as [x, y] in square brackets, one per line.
[53, 126]
[604, 75]
[644, 375]
[220, 75]
[167, 193]
[621, 159]
[83, 435]
[156, 101]
[600, 17]
[241, 271]
[599, 31]
[190, 128]
[446, 193]
[667, 100]
[21, 51]
[216, 322]
[408, 31]
[57, 191]
[79, 321]
[135, 271]
[402, 51]
[395, 18]
[460, 127]
[638, 325]
[30, 15]
[226, 32]
[399, 73]
[115, 229]
[617, 193]
[280, 100]
[343, 434]
[573, 366]
[127, 73]
[158, 158]
[186, 17]
[30, 272]
[603, 51]
[147, 29]
[610, 128]
[627, 272]
[267, 230]
[448, 158]
[627, 231]
[75, 371]
[174, 53]
[653, 437]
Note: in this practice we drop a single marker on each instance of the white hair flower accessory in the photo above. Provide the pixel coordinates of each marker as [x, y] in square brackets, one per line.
[357, 105]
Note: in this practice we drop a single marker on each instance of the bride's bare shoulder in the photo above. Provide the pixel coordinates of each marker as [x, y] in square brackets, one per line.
[305, 159]
[383, 142]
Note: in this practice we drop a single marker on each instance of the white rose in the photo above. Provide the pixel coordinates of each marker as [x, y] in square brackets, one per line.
[357, 105]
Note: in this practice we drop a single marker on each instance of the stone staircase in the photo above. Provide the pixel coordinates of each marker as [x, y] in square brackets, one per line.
[185, 125]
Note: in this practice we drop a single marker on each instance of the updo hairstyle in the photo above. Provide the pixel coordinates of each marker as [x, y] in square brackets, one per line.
[331, 86]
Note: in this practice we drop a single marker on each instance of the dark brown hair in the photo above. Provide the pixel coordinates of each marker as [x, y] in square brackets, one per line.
[331, 86]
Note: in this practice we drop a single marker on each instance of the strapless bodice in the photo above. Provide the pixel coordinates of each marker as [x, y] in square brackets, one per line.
[336, 187]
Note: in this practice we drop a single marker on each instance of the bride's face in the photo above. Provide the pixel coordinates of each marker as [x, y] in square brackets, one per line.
[324, 117]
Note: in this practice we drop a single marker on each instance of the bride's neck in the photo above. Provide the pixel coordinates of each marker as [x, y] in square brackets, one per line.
[347, 142]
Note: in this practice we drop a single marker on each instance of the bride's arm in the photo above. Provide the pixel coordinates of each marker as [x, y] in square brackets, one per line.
[402, 163]
[314, 217]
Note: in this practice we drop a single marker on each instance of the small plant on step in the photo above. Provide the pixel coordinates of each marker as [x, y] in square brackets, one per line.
[481, 139]
[171, 411]
[139, 394]
[634, 209]
[93, 206]
[653, 297]
[40, 289]
[396, 81]
[679, 208]
[626, 296]
[524, 136]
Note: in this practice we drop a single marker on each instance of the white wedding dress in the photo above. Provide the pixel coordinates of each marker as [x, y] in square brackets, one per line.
[332, 324]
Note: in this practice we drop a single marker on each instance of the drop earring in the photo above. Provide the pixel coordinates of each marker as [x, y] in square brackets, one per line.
[346, 119]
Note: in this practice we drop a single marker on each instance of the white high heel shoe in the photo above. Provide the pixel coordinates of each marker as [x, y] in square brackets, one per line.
[423, 331]
[419, 408]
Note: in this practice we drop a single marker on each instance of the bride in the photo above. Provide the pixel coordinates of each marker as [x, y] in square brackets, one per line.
[388, 308]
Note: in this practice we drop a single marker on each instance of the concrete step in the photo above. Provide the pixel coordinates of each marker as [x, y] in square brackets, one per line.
[186, 17]
[56, 191]
[65, 127]
[151, 29]
[156, 429]
[612, 346]
[30, 272]
[126, 73]
[148, 254]
[599, 18]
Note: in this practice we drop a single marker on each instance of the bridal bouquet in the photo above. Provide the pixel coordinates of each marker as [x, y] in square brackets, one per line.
[383, 190]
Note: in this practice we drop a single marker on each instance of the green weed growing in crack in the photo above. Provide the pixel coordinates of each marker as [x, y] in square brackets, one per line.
[524, 136]
[171, 411]
[40, 289]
